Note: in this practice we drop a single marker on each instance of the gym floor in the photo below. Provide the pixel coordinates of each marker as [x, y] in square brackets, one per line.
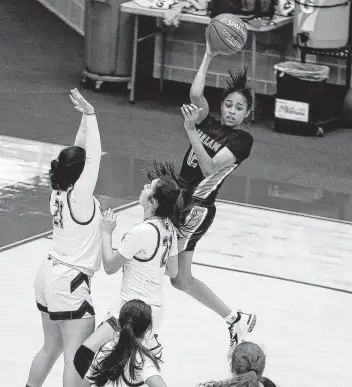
[304, 281]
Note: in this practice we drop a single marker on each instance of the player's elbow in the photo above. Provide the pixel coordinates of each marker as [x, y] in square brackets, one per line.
[109, 271]
[108, 268]
[207, 172]
[172, 268]
[209, 169]
[173, 273]
[195, 92]
[195, 96]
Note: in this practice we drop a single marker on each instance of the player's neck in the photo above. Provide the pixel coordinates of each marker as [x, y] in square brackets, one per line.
[148, 214]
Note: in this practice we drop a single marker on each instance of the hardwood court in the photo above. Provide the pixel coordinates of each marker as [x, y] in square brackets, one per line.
[304, 329]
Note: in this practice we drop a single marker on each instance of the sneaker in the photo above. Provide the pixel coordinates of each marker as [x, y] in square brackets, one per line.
[241, 327]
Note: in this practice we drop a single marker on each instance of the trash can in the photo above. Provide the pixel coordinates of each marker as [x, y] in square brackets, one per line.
[299, 97]
[108, 42]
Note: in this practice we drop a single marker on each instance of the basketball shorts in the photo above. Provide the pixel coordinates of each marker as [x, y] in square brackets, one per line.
[151, 339]
[63, 292]
[200, 219]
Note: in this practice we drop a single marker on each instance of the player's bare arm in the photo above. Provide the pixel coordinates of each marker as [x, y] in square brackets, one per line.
[197, 89]
[172, 267]
[113, 261]
[207, 164]
[155, 381]
[85, 185]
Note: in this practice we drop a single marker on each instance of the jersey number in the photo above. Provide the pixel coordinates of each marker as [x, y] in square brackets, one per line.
[192, 159]
[57, 217]
[167, 243]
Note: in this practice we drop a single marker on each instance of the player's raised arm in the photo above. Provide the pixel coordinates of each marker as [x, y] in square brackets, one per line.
[86, 183]
[81, 136]
[197, 89]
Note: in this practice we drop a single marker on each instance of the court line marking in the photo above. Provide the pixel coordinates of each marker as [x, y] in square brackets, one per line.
[47, 233]
[136, 202]
[286, 212]
[273, 277]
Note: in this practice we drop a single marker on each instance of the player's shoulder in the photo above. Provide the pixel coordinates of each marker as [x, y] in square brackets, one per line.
[209, 122]
[242, 135]
[147, 227]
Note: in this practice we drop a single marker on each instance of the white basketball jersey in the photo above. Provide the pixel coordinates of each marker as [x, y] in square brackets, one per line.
[147, 370]
[143, 274]
[74, 243]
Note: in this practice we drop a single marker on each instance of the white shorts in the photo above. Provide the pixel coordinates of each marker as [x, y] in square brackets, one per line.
[63, 292]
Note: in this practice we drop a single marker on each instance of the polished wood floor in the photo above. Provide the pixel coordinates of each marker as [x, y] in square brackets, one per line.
[305, 330]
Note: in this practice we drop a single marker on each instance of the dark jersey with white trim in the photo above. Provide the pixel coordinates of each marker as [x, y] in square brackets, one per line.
[214, 137]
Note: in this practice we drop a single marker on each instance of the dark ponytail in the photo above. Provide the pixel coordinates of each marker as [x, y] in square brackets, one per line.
[128, 350]
[182, 212]
[174, 202]
[53, 173]
[237, 83]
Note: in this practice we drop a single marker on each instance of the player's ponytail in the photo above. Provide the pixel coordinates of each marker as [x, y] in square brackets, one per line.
[135, 319]
[53, 174]
[173, 201]
[67, 168]
[237, 83]
[249, 379]
[181, 216]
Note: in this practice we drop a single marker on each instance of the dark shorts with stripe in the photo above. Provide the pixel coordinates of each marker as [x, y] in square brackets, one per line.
[63, 292]
[200, 219]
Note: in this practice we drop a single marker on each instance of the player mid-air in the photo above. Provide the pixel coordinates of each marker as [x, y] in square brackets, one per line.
[146, 253]
[217, 147]
[62, 284]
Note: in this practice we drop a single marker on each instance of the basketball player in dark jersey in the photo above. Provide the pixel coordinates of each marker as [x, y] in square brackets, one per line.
[217, 148]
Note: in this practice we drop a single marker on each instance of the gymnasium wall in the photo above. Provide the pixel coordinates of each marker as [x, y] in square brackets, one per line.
[186, 46]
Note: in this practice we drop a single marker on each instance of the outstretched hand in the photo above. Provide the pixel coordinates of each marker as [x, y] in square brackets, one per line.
[109, 221]
[191, 116]
[80, 103]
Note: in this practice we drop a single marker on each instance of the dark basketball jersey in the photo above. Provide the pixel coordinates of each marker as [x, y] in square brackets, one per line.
[214, 137]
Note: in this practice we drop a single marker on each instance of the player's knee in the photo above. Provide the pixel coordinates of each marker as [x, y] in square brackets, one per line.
[181, 283]
[53, 348]
[83, 360]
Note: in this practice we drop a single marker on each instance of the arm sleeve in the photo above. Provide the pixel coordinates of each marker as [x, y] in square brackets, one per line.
[240, 145]
[82, 133]
[85, 185]
[142, 237]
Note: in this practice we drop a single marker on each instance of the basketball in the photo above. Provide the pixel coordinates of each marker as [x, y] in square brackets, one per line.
[226, 34]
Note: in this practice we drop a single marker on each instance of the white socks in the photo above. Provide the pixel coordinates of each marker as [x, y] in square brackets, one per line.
[231, 317]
